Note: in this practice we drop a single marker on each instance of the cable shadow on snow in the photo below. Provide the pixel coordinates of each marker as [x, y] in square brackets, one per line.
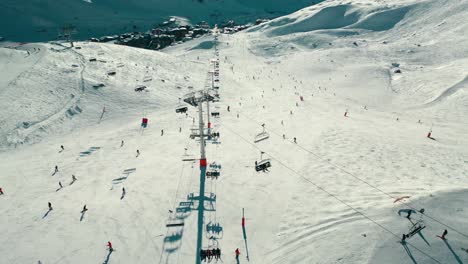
[453, 252]
[408, 251]
[423, 238]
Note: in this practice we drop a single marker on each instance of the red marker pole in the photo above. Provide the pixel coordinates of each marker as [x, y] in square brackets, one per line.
[245, 235]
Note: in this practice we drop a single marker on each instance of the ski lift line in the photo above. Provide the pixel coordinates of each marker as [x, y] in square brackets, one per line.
[361, 180]
[278, 160]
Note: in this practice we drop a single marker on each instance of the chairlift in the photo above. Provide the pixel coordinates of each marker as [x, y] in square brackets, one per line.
[215, 165]
[140, 88]
[263, 164]
[174, 222]
[188, 157]
[181, 108]
[416, 228]
[213, 173]
[262, 135]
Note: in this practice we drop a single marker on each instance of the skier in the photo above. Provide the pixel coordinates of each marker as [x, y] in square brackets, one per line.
[290, 112]
[61, 146]
[162, 132]
[237, 115]
[109, 245]
[180, 129]
[138, 153]
[409, 214]
[444, 234]
[1, 191]
[295, 140]
[282, 123]
[60, 184]
[122, 143]
[50, 207]
[403, 238]
[73, 178]
[56, 169]
[84, 209]
[237, 253]
[229, 108]
[123, 192]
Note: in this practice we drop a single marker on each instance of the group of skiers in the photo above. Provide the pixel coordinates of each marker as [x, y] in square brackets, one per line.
[209, 254]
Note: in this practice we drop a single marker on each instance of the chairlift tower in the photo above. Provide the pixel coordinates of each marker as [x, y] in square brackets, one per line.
[196, 99]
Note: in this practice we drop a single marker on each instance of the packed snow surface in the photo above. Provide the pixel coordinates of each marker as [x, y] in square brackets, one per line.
[375, 77]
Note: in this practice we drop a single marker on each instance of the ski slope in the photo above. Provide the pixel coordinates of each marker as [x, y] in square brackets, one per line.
[329, 197]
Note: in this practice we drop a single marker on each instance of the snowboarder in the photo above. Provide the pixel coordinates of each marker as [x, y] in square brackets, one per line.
[122, 143]
[1, 191]
[50, 207]
[138, 153]
[109, 245]
[61, 146]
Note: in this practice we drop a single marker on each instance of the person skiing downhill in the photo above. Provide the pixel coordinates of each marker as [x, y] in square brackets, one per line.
[61, 146]
[50, 207]
[109, 246]
[444, 234]
[84, 209]
[138, 153]
[1, 191]
[121, 143]
[237, 253]
[60, 184]
[56, 169]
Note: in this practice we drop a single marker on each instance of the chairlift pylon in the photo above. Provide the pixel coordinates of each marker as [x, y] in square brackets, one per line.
[262, 135]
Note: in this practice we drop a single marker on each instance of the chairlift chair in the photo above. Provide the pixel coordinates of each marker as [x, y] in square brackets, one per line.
[416, 228]
[262, 135]
[263, 164]
[181, 108]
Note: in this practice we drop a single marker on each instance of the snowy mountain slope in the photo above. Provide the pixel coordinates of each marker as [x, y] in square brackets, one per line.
[42, 20]
[329, 197]
[56, 89]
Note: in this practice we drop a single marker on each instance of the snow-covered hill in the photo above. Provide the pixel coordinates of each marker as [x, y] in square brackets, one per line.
[41, 20]
[345, 159]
